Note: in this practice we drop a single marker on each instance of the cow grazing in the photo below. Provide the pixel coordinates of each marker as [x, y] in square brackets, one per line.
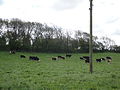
[31, 57]
[54, 58]
[109, 59]
[62, 57]
[35, 58]
[22, 56]
[59, 57]
[68, 55]
[87, 59]
[103, 59]
[98, 60]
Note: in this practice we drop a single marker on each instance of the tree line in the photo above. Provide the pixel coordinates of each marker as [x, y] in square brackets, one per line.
[19, 35]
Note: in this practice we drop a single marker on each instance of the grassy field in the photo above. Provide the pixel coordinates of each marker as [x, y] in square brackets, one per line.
[68, 74]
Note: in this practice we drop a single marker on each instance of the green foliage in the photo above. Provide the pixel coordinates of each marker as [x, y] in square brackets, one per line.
[37, 37]
[68, 74]
[2, 43]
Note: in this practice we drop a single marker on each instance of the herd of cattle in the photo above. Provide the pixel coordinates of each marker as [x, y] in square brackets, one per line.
[85, 58]
[53, 58]
[35, 58]
[61, 57]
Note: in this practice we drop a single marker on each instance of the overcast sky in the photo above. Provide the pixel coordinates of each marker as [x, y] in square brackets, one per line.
[68, 14]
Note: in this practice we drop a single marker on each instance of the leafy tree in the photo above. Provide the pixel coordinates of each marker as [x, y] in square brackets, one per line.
[27, 36]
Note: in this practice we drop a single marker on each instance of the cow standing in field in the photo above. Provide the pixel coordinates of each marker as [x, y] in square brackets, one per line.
[35, 58]
[103, 59]
[61, 57]
[54, 58]
[98, 60]
[22, 56]
[30, 57]
[109, 59]
[87, 59]
[68, 55]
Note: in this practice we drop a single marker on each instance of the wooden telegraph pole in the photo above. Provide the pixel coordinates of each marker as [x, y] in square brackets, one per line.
[90, 42]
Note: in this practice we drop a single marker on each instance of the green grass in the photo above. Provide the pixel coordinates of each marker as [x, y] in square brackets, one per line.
[69, 74]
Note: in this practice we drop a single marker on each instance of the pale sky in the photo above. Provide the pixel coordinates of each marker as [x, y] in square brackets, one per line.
[68, 14]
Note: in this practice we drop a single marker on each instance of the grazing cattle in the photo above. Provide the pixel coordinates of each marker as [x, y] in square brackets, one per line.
[109, 59]
[68, 55]
[34, 58]
[54, 58]
[98, 60]
[103, 59]
[31, 57]
[22, 56]
[61, 57]
[87, 59]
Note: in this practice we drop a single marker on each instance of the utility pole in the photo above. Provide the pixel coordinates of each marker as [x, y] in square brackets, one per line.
[90, 41]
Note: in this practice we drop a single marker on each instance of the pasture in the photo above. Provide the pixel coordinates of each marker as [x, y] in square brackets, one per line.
[70, 74]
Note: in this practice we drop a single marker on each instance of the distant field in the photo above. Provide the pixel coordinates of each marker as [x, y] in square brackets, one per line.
[68, 74]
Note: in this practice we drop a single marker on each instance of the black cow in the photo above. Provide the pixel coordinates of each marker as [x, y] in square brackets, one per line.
[98, 60]
[68, 55]
[22, 56]
[87, 59]
[62, 57]
[34, 58]
[59, 57]
[109, 58]
[54, 58]
[31, 57]
[103, 59]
